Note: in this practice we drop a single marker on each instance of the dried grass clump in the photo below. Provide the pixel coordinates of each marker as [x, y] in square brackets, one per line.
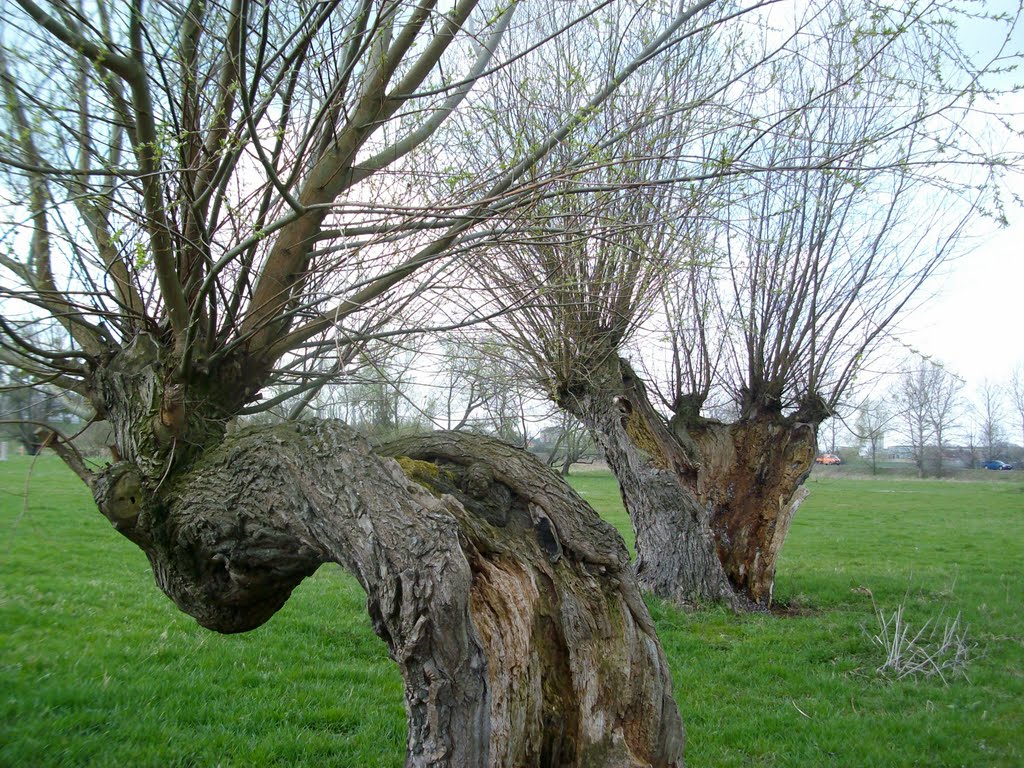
[941, 647]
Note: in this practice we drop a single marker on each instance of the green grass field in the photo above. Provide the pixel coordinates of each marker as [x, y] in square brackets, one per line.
[98, 668]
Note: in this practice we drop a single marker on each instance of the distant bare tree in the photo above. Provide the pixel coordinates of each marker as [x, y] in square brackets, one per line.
[459, 388]
[970, 434]
[944, 408]
[988, 405]
[928, 400]
[873, 420]
[1017, 397]
[479, 388]
[27, 413]
[571, 444]
[378, 395]
[912, 396]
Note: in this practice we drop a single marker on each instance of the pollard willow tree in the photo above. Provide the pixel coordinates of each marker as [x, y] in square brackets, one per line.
[782, 256]
[209, 200]
[584, 263]
[819, 264]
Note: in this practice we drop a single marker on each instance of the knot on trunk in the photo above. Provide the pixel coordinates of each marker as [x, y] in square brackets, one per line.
[119, 495]
[547, 536]
[812, 410]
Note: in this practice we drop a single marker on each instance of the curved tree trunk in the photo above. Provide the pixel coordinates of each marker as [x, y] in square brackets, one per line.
[710, 503]
[522, 638]
[521, 644]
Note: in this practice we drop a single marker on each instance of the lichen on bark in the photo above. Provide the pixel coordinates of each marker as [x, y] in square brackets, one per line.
[644, 438]
[426, 473]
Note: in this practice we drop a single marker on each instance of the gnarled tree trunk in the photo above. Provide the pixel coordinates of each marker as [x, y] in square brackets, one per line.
[676, 554]
[710, 503]
[507, 603]
[522, 642]
[750, 475]
[233, 534]
[580, 677]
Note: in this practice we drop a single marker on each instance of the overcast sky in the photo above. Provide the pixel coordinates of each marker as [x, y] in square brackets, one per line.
[975, 321]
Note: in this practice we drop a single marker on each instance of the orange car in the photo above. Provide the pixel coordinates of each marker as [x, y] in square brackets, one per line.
[828, 458]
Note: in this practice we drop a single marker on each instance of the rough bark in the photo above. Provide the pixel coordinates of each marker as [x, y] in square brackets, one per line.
[710, 503]
[750, 474]
[582, 678]
[521, 644]
[233, 534]
[676, 554]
